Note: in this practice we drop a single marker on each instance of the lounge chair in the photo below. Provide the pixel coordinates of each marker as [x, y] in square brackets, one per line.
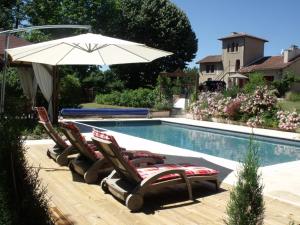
[130, 183]
[61, 150]
[90, 163]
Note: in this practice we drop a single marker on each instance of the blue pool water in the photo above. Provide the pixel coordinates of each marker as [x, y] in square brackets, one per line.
[224, 144]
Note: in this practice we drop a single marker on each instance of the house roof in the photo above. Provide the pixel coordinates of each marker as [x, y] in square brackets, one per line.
[13, 43]
[237, 34]
[210, 59]
[267, 63]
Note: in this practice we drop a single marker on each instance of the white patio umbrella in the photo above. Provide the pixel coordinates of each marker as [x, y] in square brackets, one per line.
[86, 49]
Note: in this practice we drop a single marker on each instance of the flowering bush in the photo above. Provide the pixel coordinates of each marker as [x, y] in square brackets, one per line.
[233, 108]
[255, 121]
[262, 100]
[288, 121]
[257, 110]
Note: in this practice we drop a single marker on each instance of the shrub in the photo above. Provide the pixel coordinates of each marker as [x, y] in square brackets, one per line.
[284, 84]
[232, 110]
[232, 92]
[293, 96]
[246, 205]
[288, 121]
[141, 97]
[263, 99]
[26, 201]
[70, 91]
[255, 80]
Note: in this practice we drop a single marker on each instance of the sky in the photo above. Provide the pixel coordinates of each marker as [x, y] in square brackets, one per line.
[277, 21]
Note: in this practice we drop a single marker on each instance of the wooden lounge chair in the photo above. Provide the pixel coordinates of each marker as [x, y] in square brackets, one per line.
[130, 183]
[90, 163]
[61, 150]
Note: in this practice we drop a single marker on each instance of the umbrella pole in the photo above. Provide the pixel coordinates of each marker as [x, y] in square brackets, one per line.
[55, 95]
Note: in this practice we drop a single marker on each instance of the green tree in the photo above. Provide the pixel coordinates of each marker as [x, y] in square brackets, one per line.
[11, 14]
[159, 24]
[246, 204]
[283, 85]
[255, 80]
[70, 91]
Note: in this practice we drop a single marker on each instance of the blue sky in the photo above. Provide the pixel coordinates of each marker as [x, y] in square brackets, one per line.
[278, 21]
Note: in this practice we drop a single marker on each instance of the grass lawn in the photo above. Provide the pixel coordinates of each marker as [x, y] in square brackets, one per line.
[289, 105]
[95, 105]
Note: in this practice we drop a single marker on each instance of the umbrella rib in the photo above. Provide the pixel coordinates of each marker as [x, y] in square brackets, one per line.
[132, 53]
[101, 57]
[34, 52]
[65, 55]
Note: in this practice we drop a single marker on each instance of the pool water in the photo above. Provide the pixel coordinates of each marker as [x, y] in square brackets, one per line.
[223, 144]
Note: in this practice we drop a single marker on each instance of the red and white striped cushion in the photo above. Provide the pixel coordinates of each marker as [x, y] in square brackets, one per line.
[129, 154]
[190, 170]
[42, 113]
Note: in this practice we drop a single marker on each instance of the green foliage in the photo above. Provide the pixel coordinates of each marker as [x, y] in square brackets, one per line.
[70, 91]
[163, 93]
[176, 89]
[35, 36]
[159, 24]
[25, 201]
[255, 80]
[231, 92]
[269, 118]
[11, 14]
[141, 97]
[293, 96]
[105, 82]
[246, 204]
[283, 85]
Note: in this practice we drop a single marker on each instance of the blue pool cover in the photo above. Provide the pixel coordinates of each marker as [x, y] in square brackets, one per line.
[103, 111]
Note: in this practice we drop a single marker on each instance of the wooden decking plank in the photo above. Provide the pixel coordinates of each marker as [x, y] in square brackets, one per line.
[74, 202]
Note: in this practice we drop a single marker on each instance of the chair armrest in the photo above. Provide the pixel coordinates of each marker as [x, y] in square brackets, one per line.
[144, 185]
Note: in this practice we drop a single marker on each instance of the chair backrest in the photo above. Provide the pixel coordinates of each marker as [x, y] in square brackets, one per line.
[100, 134]
[73, 134]
[44, 120]
[117, 159]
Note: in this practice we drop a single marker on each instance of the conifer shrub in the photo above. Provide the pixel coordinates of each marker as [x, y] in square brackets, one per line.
[246, 204]
[22, 197]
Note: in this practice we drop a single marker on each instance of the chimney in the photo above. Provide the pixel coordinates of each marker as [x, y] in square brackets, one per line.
[233, 33]
[290, 53]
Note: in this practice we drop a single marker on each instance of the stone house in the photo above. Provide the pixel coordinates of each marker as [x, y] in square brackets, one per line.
[243, 54]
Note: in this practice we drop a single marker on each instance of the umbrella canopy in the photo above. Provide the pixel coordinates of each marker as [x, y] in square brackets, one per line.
[86, 49]
[238, 75]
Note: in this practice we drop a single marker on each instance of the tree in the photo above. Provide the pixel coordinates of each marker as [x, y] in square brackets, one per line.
[11, 14]
[255, 80]
[159, 24]
[246, 205]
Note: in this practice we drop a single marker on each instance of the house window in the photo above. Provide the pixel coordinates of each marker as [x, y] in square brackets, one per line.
[232, 47]
[207, 68]
[210, 68]
[237, 65]
[228, 47]
[236, 47]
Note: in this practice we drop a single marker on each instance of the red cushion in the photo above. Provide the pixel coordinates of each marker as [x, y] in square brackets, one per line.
[107, 137]
[130, 154]
[91, 148]
[42, 113]
[190, 170]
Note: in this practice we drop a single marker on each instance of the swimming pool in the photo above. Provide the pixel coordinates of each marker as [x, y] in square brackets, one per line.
[220, 143]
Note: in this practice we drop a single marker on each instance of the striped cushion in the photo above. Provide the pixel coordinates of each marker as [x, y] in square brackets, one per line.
[190, 170]
[90, 148]
[129, 154]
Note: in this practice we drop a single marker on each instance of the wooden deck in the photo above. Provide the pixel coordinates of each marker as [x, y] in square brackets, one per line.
[74, 202]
